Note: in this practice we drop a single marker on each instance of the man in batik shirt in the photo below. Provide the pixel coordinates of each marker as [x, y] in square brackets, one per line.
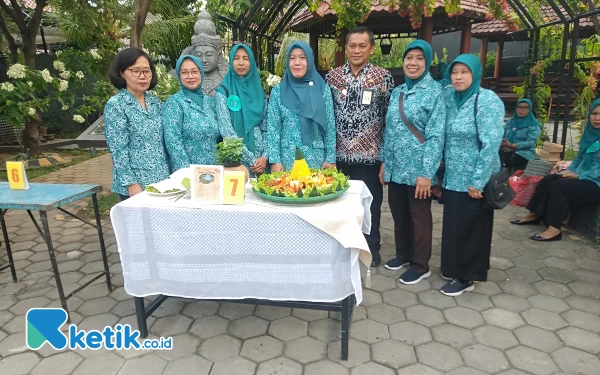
[361, 93]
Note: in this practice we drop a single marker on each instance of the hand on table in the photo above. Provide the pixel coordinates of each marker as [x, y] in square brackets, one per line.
[134, 189]
[259, 166]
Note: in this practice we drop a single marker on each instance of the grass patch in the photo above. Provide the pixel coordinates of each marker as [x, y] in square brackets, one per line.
[76, 156]
[105, 203]
[570, 154]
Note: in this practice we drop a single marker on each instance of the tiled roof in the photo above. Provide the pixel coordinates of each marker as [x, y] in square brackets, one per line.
[25, 3]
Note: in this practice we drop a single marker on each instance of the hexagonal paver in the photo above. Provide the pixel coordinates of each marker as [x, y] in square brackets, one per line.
[538, 338]
[358, 353]
[183, 345]
[274, 312]
[553, 289]
[503, 318]
[325, 367]
[410, 333]
[97, 306]
[585, 289]
[104, 364]
[200, 309]
[262, 348]
[171, 325]
[393, 353]
[554, 274]
[544, 319]
[20, 364]
[463, 317]
[63, 363]
[548, 303]
[523, 275]
[560, 263]
[466, 371]
[424, 315]
[511, 303]
[418, 369]
[219, 348]
[385, 314]
[237, 365]
[210, 326]
[517, 288]
[23, 306]
[485, 358]
[279, 366]
[435, 299]
[372, 368]
[97, 322]
[589, 305]
[495, 337]
[576, 361]
[326, 330]
[306, 350]
[452, 335]
[583, 320]
[531, 361]
[359, 313]
[288, 328]
[382, 283]
[6, 302]
[190, 365]
[438, 356]
[235, 310]
[248, 327]
[371, 297]
[400, 298]
[580, 339]
[369, 331]
[528, 263]
[474, 301]
[309, 315]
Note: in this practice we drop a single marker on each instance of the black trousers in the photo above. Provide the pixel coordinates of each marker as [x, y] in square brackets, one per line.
[554, 196]
[512, 161]
[466, 237]
[413, 225]
[123, 197]
[369, 174]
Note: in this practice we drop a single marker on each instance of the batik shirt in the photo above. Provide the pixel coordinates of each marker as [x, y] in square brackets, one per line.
[466, 164]
[587, 169]
[405, 157]
[360, 126]
[526, 140]
[134, 136]
[191, 132]
[283, 134]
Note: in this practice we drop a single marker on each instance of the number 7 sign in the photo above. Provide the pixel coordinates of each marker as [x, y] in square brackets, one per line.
[234, 188]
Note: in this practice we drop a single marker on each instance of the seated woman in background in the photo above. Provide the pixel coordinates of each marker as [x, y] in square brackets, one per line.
[191, 127]
[241, 106]
[521, 134]
[301, 114]
[133, 126]
[578, 185]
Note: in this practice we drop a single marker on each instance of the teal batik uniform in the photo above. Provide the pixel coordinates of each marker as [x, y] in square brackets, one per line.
[248, 120]
[191, 126]
[523, 132]
[301, 115]
[134, 136]
[587, 162]
[404, 156]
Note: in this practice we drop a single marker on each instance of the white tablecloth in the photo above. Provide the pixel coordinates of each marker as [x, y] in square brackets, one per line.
[258, 250]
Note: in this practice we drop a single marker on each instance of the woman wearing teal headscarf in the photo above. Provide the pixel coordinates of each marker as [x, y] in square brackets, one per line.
[241, 105]
[409, 164]
[579, 185]
[301, 114]
[521, 134]
[474, 130]
[191, 127]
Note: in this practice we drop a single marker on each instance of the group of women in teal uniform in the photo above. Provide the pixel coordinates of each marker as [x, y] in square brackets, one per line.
[458, 122]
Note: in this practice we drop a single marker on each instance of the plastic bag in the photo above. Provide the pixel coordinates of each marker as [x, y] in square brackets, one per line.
[524, 188]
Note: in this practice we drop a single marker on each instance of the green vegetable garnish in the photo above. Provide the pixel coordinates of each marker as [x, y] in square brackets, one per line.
[152, 189]
[186, 183]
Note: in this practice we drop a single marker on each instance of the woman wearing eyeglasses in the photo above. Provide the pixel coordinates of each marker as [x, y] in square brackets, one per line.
[133, 125]
[241, 106]
[191, 127]
[521, 134]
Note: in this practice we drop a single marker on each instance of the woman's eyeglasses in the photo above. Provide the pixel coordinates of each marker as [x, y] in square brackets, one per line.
[138, 72]
[193, 73]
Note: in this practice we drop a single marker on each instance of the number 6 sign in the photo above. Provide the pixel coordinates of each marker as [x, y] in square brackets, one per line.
[17, 179]
[234, 188]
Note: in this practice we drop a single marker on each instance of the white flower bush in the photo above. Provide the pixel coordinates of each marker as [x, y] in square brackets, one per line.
[65, 75]
[29, 83]
[79, 119]
[31, 112]
[63, 85]
[273, 80]
[80, 75]
[65, 108]
[46, 76]
[16, 71]
[59, 65]
[7, 86]
[95, 55]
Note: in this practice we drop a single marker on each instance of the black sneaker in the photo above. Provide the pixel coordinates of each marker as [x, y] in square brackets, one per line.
[411, 276]
[396, 264]
[456, 288]
[376, 261]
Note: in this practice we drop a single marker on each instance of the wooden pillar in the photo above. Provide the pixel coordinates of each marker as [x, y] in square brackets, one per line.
[340, 52]
[483, 50]
[314, 44]
[499, 52]
[426, 30]
[465, 39]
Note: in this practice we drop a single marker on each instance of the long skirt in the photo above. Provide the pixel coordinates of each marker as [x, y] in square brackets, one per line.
[466, 237]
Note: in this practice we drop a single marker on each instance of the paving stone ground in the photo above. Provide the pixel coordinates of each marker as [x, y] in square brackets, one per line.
[537, 314]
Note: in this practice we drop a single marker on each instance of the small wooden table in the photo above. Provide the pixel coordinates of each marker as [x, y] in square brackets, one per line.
[44, 198]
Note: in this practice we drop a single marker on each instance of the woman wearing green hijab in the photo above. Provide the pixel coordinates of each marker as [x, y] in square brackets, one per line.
[409, 164]
[579, 185]
[191, 127]
[474, 130]
[241, 106]
[520, 137]
[301, 114]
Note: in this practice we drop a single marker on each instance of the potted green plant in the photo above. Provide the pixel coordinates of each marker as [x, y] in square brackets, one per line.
[229, 155]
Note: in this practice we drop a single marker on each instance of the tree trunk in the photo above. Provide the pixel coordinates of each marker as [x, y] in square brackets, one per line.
[139, 21]
[12, 45]
[31, 136]
[29, 52]
[595, 21]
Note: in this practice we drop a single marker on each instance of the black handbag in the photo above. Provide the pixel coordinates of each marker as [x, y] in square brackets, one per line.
[497, 193]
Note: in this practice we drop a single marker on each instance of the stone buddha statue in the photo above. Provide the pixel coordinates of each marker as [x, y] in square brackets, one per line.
[206, 45]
